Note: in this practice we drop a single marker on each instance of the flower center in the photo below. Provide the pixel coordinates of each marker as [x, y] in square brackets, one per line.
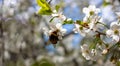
[87, 51]
[116, 32]
[81, 28]
[91, 12]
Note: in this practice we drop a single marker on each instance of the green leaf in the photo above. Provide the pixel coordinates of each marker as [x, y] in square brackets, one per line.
[106, 3]
[57, 7]
[79, 22]
[45, 8]
[44, 11]
[43, 3]
[68, 22]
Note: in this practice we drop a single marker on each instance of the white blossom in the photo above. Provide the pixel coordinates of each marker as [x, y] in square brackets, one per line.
[114, 31]
[61, 29]
[91, 10]
[80, 29]
[85, 51]
[90, 27]
[6, 54]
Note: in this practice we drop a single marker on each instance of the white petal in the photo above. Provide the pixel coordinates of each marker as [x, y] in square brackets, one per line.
[54, 15]
[87, 57]
[92, 25]
[63, 30]
[83, 34]
[84, 47]
[75, 30]
[45, 30]
[101, 20]
[50, 31]
[58, 25]
[114, 26]
[63, 17]
[86, 11]
[54, 11]
[85, 19]
[77, 26]
[97, 11]
[109, 32]
[115, 38]
[118, 14]
[87, 30]
[93, 51]
[104, 51]
[92, 7]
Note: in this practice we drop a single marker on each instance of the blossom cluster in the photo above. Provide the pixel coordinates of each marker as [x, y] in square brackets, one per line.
[103, 38]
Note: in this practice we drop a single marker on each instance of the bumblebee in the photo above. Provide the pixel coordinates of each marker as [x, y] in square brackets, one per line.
[53, 38]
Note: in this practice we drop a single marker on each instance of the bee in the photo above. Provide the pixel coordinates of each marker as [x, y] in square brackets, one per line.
[53, 38]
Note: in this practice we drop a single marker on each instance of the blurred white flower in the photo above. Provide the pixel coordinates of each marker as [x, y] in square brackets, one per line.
[114, 31]
[118, 14]
[60, 50]
[85, 51]
[93, 52]
[91, 10]
[6, 54]
[59, 59]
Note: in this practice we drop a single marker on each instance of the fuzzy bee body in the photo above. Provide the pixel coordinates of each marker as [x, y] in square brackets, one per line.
[54, 37]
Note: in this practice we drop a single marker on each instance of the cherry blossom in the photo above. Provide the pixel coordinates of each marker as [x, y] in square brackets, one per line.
[114, 31]
[91, 10]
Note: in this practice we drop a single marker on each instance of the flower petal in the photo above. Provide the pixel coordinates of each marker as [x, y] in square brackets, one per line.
[92, 7]
[54, 15]
[63, 31]
[118, 14]
[115, 38]
[58, 25]
[86, 11]
[109, 32]
[114, 26]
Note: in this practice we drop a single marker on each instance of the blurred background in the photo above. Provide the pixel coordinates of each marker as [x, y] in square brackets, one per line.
[23, 43]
